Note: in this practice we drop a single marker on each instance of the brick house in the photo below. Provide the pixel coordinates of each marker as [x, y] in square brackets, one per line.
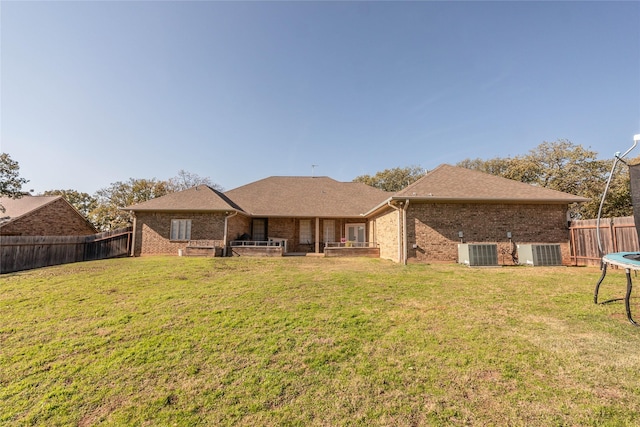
[165, 225]
[421, 223]
[42, 216]
[425, 221]
[306, 212]
[302, 213]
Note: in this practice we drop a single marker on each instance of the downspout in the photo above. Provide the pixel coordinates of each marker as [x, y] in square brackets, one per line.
[374, 231]
[404, 231]
[226, 226]
[399, 231]
[133, 235]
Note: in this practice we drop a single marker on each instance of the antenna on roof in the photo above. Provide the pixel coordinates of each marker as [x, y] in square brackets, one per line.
[313, 169]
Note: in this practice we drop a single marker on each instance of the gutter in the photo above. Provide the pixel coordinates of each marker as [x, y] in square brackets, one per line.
[376, 208]
[442, 199]
[404, 231]
[133, 235]
[226, 226]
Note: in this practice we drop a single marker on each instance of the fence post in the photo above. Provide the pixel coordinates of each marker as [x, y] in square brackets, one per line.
[572, 249]
[614, 239]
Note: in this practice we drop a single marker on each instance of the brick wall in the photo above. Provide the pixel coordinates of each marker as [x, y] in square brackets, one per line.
[57, 218]
[386, 234]
[237, 226]
[153, 230]
[434, 228]
[152, 233]
[284, 228]
[352, 252]
[289, 228]
[265, 251]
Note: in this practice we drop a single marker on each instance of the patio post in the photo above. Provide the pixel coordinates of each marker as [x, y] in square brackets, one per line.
[317, 235]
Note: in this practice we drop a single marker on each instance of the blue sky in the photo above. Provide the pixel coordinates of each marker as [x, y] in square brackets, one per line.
[98, 92]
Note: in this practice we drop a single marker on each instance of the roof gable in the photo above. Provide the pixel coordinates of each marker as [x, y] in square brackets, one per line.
[306, 197]
[448, 182]
[201, 198]
[16, 208]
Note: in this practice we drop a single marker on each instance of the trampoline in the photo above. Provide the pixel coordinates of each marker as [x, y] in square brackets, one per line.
[630, 261]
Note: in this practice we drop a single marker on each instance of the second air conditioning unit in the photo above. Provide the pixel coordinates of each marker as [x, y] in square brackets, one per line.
[478, 254]
[539, 254]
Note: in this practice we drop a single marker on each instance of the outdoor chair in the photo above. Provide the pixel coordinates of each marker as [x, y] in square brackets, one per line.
[627, 260]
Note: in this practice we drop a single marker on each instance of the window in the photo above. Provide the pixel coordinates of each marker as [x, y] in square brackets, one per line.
[259, 226]
[180, 229]
[329, 226]
[356, 233]
[305, 231]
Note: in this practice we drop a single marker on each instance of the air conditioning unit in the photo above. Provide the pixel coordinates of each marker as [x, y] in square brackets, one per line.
[478, 254]
[539, 254]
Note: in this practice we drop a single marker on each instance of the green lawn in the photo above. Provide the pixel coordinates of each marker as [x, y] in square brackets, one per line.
[313, 341]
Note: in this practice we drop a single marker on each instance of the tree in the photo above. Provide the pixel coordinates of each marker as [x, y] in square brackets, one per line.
[563, 166]
[10, 181]
[566, 167]
[107, 213]
[618, 201]
[108, 216]
[513, 168]
[393, 179]
[83, 202]
[185, 180]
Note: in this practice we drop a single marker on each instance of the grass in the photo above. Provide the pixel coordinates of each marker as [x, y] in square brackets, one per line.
[308, 341]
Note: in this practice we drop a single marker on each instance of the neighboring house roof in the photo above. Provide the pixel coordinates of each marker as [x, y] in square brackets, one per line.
[201, 198]
[286, 196]
[15, 209]
[448, 182]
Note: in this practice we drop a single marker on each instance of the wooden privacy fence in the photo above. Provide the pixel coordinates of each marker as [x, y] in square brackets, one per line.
[616, 235]
[26, 252]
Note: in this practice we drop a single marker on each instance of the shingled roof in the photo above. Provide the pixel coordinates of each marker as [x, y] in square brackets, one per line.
[286, 196]
[201, 198]
[295, 196]
[448, 182]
